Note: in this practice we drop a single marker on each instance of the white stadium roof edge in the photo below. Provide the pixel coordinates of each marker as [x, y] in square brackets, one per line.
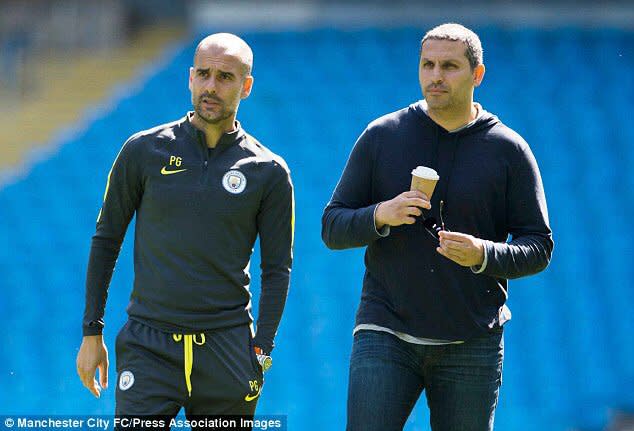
[272, 16]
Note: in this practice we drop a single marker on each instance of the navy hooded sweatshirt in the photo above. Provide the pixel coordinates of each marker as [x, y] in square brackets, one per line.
[491, 188]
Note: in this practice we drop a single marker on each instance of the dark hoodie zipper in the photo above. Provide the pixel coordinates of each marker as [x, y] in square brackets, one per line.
[200, 137]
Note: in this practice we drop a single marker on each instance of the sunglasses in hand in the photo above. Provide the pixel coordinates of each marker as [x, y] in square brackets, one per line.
[431, 224]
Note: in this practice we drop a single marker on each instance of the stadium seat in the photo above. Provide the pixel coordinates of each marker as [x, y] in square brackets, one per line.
[569, 344]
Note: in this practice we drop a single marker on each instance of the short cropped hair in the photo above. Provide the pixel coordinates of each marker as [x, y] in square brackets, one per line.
[457, 32]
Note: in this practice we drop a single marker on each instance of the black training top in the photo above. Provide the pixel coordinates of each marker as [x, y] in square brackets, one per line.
[198, 212]
[491, 187]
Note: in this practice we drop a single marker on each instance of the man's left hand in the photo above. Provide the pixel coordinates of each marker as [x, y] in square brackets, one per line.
[264, 359]
[465, 250]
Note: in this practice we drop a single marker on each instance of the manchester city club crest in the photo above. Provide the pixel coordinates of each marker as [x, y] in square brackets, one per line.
[126, 380]
[234, 182]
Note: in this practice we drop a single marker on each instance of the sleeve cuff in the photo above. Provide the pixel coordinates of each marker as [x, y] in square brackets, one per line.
[92, 328]
[385, 230]
[482, 267]
[266, 346]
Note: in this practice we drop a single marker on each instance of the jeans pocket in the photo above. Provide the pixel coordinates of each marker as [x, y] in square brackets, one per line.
[485, 353]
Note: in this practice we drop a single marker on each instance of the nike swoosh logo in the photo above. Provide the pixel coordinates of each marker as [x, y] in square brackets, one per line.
[166, 172]
[252, 397]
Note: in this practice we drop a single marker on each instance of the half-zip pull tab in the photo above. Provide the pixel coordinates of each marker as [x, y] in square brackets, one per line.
[203, 175]
[207, 157]
[210, 154]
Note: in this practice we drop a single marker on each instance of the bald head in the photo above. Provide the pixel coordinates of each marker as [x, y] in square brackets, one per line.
[227, 44]
[219, 79]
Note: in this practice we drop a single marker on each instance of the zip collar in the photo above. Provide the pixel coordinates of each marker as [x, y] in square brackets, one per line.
[226, 140]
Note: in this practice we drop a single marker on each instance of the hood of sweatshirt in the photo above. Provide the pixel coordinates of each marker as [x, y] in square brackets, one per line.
[484, 121]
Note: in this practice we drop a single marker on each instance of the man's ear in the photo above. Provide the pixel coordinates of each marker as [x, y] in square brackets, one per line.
[247, 85]
[478, 74]
[191, 77]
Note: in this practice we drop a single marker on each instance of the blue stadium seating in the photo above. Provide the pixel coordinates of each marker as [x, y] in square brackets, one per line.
[569, 348]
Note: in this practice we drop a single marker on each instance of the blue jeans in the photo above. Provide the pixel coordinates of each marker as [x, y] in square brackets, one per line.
[387, 375]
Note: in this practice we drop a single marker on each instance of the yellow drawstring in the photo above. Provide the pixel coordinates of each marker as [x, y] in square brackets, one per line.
[189, 354]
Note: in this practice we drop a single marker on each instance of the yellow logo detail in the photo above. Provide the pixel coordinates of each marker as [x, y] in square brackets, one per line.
[255, 386]
[166, 172]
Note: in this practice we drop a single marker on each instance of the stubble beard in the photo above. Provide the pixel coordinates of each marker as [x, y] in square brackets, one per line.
[442, 106]
[209, 117]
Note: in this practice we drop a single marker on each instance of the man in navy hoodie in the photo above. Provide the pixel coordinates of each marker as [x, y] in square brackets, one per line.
[433, 301]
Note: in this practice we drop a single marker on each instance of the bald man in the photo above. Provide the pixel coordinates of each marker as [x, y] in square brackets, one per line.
[202, 190]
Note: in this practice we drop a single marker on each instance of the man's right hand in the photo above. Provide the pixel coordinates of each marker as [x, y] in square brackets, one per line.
[93, 354]
[403, 209]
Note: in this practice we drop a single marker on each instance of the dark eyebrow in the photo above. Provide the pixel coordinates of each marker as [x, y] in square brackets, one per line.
[231, 74]
[451, 60]
[227, 73]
